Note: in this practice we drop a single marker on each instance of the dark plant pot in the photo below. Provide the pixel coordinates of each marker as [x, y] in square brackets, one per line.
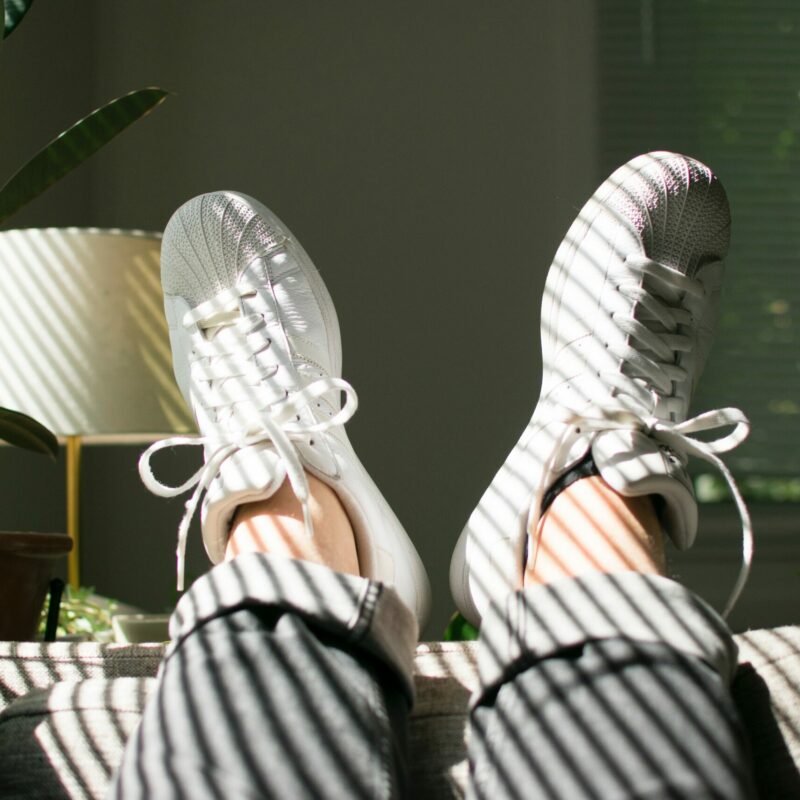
[27, 564]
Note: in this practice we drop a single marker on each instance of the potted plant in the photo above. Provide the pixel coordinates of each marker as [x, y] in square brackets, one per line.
[28, 560]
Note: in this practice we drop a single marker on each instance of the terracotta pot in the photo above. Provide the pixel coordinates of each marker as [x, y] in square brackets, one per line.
[27, 564]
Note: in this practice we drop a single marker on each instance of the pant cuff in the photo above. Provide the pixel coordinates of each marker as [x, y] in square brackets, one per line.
[541, 621]
[362, 612]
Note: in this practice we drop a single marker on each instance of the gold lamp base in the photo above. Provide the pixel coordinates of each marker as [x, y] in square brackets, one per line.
[73, 509]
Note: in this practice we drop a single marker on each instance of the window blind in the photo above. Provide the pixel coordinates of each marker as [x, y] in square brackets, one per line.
[720, 80]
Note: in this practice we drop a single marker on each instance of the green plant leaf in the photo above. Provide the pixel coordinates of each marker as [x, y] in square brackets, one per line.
[82, 612]
[23, 431]
[74, 146]
[459, 630]
[13, 12]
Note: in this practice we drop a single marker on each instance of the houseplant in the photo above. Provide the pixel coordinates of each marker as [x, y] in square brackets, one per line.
[27, 560]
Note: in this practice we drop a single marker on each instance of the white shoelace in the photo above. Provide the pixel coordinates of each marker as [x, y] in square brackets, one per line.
[279, 422]
[674, 435]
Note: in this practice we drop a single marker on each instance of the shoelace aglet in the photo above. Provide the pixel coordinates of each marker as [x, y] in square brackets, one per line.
[307, 517]
[183, 534]
[181, 568]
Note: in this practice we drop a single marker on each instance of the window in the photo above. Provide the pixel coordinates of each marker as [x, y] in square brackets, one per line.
[720, 81]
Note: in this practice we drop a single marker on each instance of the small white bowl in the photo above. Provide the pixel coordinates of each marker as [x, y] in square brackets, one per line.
[138, 628]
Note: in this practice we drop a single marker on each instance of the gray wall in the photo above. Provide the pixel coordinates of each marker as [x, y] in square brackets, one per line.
[429, 156]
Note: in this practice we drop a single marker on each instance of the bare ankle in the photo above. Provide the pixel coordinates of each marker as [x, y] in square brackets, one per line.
[591, 528]
[276, 526]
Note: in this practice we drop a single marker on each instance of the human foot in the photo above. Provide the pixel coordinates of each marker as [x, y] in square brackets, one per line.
[257, 356]
[627, 319]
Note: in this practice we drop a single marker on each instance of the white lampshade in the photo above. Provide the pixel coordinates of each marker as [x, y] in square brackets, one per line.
[84, 347]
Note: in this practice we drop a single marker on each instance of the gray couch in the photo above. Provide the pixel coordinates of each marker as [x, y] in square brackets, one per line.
[67, 710]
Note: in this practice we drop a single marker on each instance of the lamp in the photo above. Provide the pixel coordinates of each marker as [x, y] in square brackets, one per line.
[84, 346]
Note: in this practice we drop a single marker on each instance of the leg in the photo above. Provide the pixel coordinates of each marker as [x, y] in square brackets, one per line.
[289, 670]
[273, 694]
[600, 678]
[619, 682]
[590, 528]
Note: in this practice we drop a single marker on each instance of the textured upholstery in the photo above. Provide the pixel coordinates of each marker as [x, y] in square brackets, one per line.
[68, 709]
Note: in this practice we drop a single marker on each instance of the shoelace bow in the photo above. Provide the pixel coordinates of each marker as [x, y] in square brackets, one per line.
[279, 422]
[674, 435]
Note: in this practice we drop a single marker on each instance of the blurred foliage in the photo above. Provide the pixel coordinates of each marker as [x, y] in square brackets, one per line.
[720, 80]
[82, 613]
[13, 12]
[78, 142]
[459, 630]
[711, 488]
[72, 147]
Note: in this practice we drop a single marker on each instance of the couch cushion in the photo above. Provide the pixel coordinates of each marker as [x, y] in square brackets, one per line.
[36, 665]
[66, 741]
[767, 693]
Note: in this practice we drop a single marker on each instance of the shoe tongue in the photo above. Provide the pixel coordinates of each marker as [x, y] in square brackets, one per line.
[257, 468]
[634, 465]
[628, 461]
[214, 323]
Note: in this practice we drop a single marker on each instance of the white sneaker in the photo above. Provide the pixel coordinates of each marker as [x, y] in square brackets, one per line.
[628, 314]
[257, 355]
